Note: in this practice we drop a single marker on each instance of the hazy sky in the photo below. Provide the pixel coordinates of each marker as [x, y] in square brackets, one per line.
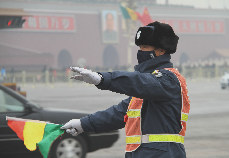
[217, 4]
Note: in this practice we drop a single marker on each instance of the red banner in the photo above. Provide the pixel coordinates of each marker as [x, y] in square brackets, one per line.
[196, 26]
[49, 23]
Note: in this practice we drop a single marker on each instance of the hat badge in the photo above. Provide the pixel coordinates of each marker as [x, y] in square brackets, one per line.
[138, 34]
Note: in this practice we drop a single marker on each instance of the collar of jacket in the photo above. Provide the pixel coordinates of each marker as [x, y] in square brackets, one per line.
[159, 62]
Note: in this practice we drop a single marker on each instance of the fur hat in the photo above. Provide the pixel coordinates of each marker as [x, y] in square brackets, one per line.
[159, 35]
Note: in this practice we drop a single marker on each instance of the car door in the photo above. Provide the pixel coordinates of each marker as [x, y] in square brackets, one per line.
[12, 106]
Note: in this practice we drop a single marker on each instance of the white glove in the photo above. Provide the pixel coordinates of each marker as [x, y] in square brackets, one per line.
[73, 127]
[86, 75]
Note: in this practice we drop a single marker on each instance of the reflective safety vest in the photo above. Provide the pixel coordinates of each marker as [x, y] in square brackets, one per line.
[134, 136]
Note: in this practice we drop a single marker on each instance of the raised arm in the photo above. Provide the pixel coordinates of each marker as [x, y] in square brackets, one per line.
[141, 85]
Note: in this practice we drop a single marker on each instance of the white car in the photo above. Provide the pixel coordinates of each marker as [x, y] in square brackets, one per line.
[224, 81]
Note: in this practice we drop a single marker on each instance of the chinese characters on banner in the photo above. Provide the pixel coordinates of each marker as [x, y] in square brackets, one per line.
[49, 23]
[67, 24]
[197, 26]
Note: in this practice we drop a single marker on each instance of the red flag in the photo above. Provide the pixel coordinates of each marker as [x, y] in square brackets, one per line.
[145, 18]
[138, 15]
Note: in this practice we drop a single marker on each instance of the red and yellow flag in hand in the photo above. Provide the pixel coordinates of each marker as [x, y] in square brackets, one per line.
[35, 133]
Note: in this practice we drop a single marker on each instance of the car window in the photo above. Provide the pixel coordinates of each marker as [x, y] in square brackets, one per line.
[9, 103]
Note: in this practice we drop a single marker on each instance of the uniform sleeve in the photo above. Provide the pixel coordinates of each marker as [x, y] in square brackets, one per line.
[141, 85]
[107, 120]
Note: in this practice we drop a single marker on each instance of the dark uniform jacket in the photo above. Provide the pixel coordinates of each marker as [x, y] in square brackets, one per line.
[161, 110]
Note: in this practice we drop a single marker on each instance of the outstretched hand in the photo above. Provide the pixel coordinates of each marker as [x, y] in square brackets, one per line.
[86, 75]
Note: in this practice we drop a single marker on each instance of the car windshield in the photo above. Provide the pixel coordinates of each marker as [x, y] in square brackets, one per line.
[35, 104]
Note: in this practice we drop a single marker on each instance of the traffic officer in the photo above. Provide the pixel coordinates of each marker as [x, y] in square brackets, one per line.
[155, 113]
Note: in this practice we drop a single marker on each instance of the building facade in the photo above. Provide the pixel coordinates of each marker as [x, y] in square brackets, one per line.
[94, 33]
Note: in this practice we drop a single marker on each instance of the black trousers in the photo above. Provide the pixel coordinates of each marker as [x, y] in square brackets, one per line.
[158, 150]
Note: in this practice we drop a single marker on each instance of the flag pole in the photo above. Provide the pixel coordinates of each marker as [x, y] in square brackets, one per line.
[21, 119]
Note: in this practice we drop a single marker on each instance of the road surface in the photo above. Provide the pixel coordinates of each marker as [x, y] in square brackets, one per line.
[207, 133]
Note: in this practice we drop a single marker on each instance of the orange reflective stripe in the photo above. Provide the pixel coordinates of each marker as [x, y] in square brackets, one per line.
[133, 124]
[132, 147]
[135, 103]
[134, 135]
[184, 90]
[185, 99]
[183, 130]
